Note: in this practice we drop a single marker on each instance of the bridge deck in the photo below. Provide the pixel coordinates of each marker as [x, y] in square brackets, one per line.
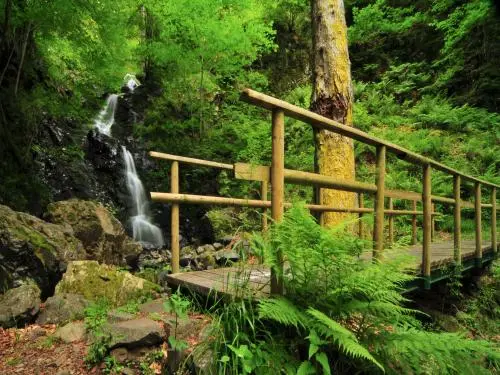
[255, 278]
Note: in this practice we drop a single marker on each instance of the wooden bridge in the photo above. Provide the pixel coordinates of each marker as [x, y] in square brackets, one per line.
[431, 258]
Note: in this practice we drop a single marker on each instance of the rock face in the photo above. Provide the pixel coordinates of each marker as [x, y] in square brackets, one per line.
[31, 248]
[19, 305]
[94, 281]
[62, 308]
[100, 232]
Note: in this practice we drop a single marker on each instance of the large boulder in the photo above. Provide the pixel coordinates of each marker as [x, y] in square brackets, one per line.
[20, 305]
[62, 308]
[102, 235]
[95, 281]
[31, 248]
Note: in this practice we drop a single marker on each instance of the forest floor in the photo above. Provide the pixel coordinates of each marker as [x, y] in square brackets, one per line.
[32, 350]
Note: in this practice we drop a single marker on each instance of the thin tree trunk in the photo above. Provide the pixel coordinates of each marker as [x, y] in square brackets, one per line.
[332, 97]
[23, 55]
[202, 69]
[6, 66]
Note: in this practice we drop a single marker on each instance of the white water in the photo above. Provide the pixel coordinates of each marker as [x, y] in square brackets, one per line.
[142, 228]
[131, 81]
[106, 118]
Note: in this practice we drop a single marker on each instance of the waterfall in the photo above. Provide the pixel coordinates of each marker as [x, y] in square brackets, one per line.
[106, 118]
[142, 228]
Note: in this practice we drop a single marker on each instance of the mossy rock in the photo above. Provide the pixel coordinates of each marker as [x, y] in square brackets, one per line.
[102, 235]
[31, 248]
[97, 281]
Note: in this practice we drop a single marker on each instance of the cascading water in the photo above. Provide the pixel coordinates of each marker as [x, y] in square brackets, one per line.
[106, 118]
[143, 230]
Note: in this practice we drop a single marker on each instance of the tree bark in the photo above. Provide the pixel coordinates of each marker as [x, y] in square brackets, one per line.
[332, 97]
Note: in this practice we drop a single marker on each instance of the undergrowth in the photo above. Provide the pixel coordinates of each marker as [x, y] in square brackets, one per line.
[339, 314]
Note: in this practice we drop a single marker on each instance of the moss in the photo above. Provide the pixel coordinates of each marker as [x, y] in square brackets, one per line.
[95, 281]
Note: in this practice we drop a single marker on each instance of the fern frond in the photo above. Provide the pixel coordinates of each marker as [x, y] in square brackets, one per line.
[282, 311]
[341, 336]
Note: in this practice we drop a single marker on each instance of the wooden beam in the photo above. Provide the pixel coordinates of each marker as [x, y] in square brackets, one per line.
[278, 189]
[174, 229]
[391, 224]
[477, 223]
[494, 244]
[263, 196]
[320, 122]
[414, 224]
[250, 172]
[426, 246]
[378, 222]
[457, 227]
[186, 160]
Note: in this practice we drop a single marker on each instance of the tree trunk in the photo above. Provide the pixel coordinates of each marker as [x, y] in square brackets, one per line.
[332, 97]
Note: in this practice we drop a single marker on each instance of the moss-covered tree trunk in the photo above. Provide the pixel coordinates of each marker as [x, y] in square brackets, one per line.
[332, 97]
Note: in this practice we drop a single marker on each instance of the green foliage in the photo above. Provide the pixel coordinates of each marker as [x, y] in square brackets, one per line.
[340, 314]
[177, 305]
[95, 317]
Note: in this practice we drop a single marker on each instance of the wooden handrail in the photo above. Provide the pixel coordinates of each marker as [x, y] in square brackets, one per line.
[264, 203]
[186, 160]
[320, 122]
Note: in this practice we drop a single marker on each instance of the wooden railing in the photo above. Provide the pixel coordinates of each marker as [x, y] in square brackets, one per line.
[277, 175]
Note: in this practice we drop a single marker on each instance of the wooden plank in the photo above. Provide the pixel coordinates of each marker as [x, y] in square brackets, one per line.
[250, 172]
[278, 189]
[186, 160]
[320, 122]
[254, 281]
[378, 222]
[174, 222]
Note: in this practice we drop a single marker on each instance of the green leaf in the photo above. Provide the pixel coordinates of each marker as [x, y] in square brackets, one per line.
[323, 360]
[306, 368]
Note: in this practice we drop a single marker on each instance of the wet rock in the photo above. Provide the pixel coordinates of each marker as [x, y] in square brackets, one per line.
[62, 308]
[20, 305]
[71, 332]
[31, 248]
[218, 246]
[101, 234]
[226, 240]
[153, 259]
[94, 281]
[134, 333]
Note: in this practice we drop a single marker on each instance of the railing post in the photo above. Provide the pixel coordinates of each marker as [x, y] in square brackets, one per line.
[391, 223]
[361, 203]
[427, 223]
[494, 221]
[174, 230]
[263, 196]
[277, 189]
[477, 222]
[378, 223]
[433, 223]
[414, 224]
[457, 230]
